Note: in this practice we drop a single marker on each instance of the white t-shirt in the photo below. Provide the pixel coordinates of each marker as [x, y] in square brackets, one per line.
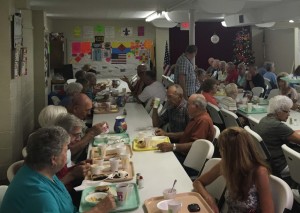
[154, 90]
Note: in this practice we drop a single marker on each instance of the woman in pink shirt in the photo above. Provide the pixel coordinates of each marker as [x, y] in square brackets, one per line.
[209, 89]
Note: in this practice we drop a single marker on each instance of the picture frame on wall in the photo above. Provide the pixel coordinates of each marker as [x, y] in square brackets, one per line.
[17, 29]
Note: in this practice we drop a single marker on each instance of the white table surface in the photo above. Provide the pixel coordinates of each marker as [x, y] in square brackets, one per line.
[158, 169]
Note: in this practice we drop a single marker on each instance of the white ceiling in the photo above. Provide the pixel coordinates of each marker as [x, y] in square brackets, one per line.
[205, 10]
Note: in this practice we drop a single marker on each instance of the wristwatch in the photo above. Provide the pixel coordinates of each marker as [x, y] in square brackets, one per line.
[174, 146]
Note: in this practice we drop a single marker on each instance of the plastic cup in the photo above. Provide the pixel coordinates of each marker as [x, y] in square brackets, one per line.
[174, 206]
[102, 150]
[148, 141]
[114, 164]
[98, 161]
[125, 161]
[249, 107]
[96, 169]
[169, 193]
[123, 192]
[156, 103]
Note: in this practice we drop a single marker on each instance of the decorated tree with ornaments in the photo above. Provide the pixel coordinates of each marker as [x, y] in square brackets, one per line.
[242, 47]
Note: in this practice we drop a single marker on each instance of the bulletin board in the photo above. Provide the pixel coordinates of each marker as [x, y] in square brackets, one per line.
[98, 46]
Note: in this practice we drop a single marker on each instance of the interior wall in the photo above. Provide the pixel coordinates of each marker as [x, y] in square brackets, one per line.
[162, 35]
[258, 45]
[16, 95]
[280, 45]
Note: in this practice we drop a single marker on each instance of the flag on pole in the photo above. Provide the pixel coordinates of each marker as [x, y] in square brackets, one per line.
[167, 61]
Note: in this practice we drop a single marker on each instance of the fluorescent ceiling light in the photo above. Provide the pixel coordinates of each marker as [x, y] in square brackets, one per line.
[291, 21]
[153, 16]
[269, 24]
[224, 24]
[166, 15]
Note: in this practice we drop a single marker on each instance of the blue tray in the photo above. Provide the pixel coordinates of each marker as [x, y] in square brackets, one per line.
[259, 110]
[123, 136]
[132, 203]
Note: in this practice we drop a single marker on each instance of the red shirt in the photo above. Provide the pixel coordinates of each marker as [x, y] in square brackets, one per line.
[200, 127]
[209, 98]
[232, 77]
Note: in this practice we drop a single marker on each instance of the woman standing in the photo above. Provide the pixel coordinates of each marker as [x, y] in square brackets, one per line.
[245, 172]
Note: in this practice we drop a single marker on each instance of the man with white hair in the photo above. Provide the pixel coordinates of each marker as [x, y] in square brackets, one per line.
[275, 133]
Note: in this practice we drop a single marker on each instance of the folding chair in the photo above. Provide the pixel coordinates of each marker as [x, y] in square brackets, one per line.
[230, 119]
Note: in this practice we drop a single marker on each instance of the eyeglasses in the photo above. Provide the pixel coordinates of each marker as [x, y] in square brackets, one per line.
[286, 111]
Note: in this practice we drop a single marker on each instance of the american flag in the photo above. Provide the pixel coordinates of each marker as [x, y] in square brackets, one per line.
[167, 61]
[118, 58]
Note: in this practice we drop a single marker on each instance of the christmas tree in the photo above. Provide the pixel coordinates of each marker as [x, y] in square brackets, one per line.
[242, 48]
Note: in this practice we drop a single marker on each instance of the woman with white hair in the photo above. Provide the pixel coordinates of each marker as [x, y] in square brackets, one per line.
[49, 113]
[275, 133]
[229, 102]
[285, 89]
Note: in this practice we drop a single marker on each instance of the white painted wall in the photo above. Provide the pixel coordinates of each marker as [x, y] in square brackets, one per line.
[162, 35]
[258, 45]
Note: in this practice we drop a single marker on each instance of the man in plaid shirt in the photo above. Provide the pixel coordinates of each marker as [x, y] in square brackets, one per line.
[185, 72]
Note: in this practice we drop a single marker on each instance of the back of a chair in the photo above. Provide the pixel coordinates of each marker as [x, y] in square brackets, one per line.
[253, 122]
[257, 91]
[200, 151]
[167, 81]
[273, 93]
[214, 113]
[217, 133]
[3, 189]
[268, 84]
[13, 169]
[230, 119]
[293, 161]
[261, 146]
[282, 194]
[148, 105]
[218, 186]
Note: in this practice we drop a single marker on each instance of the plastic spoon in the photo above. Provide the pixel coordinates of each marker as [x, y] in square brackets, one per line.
[175, 181]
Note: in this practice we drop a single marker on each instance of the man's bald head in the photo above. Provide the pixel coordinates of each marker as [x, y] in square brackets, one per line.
[81, 106]
[141, 69]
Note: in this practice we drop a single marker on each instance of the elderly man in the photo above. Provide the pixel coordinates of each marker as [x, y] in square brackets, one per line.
[254, 79]
[185, 72]
[176, 114]
[153, 89]
[138, 86]
[81, 108]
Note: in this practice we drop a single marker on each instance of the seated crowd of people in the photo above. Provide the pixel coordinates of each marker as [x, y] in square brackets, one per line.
[56, 158]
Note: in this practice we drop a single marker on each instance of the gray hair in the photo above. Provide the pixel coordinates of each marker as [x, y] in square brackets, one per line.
[230, 89]
[89, 76]
[43, 144]
[68, 122]
[222, 64]
[200, 101]
[73, 88]
[49, 113]
[279, 103]
[268, 65]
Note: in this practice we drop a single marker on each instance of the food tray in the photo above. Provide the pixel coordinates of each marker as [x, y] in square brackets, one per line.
[153, 144]
[259, 110]
[185, 198]
[104, 110]
[132, 203]
[109, 153]
[129, 170]
[120, 136]
[264, 102]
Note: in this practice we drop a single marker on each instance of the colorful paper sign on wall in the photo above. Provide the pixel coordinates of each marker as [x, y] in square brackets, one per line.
[109, 32]
[126, 31]
[76, 48]
[118, 58]
[88, 32]
[86, 47]
[99, 28]
[141, 31]
[77, 32]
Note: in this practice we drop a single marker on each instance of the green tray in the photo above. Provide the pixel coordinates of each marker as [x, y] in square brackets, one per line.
[123, 136]
[132, 203]
[260, 110]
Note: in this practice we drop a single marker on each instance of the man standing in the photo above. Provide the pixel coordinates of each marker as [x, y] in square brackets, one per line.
[185, 72]
[176, 114]
[81, 108]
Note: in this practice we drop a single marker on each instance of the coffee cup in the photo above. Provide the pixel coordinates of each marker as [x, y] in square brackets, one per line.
[169, 193]
[120, 149]
[102, 150]
[174, 206]
[123, 192]
[114, 164]
[98, 161]
[125, 160]
[96, 169]
[156, 103]
[249, 107]
[148, 141]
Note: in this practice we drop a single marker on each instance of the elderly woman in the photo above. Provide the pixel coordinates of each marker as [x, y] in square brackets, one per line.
[47, 150]
[49, 113]
[71, 89]
[209, 89]
[285, 89]
[245, 172]
[222, 73]
[201, 75]
[275, 133]
[229, 102]
[241, 81]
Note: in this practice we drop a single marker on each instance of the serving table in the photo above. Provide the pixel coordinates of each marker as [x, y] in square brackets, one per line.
[158, 169]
